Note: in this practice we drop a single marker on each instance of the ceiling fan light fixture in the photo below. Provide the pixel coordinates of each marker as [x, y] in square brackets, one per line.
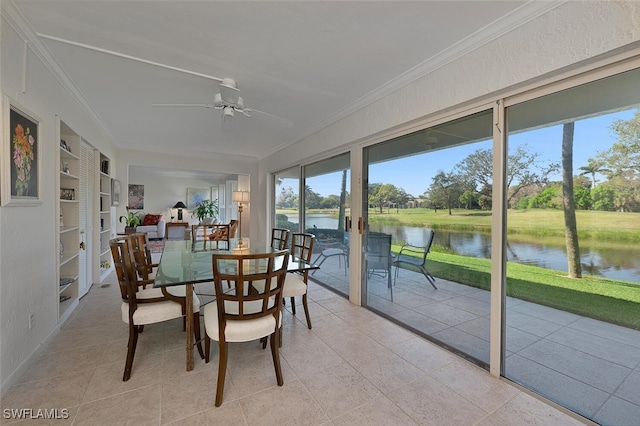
[227, 113]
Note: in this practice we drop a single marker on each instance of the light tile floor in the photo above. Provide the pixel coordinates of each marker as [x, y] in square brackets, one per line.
[353, 368]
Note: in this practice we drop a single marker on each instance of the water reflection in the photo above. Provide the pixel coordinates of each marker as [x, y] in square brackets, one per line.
[620, 262]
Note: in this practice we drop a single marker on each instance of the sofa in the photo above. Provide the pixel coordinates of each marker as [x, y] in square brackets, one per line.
[154, 225]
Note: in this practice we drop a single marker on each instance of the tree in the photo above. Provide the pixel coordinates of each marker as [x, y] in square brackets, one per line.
[312, 199]
[524, 169]
[343, 201]
[568, 203]
[624, 155]
[445, 189]
[593, 166]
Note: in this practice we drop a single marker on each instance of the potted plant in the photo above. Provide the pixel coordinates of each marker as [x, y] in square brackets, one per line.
[206, 209]
[131, 220]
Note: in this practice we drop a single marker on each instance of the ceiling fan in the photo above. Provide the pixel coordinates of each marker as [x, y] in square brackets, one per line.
[229, 101]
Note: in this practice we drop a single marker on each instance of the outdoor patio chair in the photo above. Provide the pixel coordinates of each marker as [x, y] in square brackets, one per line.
[415, 257]
[379, 258]
[332, 248]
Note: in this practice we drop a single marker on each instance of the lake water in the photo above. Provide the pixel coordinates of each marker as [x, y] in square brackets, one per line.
[620, 262]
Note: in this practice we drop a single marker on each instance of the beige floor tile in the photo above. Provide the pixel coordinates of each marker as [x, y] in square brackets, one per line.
[379, 412]
[386, 370]
[192, 393]
[54, 364]
[476, 385]
[423, 354]
[107, 379]
[289, 404]
[52, 393]
[137, 407]
[429, 402]
[340, 388]
[227, 414]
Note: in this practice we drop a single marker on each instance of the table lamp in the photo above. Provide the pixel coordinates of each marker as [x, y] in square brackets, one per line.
[240, 197]
[180, 205]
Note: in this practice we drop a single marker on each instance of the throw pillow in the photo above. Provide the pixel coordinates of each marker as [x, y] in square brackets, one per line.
[151, 219]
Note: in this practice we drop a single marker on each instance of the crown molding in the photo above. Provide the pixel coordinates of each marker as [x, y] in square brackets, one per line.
[14, 18]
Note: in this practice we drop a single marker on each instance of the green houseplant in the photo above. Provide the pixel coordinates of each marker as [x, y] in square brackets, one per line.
[206, 209]
[131, 220]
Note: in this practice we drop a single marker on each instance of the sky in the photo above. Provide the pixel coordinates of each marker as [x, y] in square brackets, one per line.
[414, 174]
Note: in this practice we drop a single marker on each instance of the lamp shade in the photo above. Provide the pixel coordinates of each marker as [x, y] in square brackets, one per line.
[241, 196]
[179, 205]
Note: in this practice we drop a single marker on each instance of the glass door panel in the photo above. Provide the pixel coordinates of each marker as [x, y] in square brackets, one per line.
[287, 199]
[573, 266]
[326, 205]
[432, 189]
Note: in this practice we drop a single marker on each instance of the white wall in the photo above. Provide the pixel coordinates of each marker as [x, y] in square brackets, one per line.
[246, 168]
[27, 234]
[161, 192]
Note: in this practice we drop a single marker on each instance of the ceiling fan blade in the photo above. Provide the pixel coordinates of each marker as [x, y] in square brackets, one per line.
[285, 122]
[229, 92]
[211, 106]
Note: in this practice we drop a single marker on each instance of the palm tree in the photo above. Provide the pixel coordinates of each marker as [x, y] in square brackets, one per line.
[569, 203]
[592, 168]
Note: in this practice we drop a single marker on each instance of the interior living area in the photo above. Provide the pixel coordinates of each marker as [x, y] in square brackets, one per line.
[469, 171]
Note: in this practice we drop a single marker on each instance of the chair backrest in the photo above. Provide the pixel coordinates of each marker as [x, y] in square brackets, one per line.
[302, 245]
[240, 285]
[378, 253]
[124, 264]
[233, 225]
[141, 253]
[279, 238]
[417, 254]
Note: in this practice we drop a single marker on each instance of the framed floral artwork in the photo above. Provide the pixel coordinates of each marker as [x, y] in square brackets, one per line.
[196, 195]
[136, 197]
[20, 157]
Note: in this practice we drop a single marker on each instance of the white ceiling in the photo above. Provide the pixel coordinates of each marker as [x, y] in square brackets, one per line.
[310, 62]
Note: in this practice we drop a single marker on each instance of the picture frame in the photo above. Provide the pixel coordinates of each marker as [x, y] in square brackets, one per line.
[136, 197]
[20, 156]
[196, 195]
[63, 145]
[115, 192]
[67, 194]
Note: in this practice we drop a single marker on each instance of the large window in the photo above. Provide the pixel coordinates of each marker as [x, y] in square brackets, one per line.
[433, 182]
[573, 248]
[287, 199]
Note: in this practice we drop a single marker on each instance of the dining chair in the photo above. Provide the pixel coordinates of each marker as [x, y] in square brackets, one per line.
[142, 254]
[416, 257]
[295, 283]
[279, 238]
[142, 306]
[249, 310]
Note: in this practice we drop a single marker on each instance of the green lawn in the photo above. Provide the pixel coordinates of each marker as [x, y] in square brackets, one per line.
[613, 301]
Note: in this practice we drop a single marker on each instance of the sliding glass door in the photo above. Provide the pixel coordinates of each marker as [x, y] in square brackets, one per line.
[432, 190]
[326, 205]
[573, 222]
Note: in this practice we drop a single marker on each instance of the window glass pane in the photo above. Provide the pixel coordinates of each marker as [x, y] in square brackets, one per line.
[326, 203]
[433, 182]
[573, 247]
[287, 199]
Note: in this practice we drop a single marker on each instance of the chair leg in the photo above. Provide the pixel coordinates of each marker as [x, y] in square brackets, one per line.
[222, 371]
[207, 347]
[293, 305]
[131, 351]
[275, 354]
[196, 332]
[306, 310]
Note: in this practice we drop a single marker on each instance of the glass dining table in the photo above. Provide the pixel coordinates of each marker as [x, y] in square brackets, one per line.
[185, 263]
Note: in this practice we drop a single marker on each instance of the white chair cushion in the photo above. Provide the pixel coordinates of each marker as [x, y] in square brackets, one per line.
[152, 313]
[240, 330]
[294, 285]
